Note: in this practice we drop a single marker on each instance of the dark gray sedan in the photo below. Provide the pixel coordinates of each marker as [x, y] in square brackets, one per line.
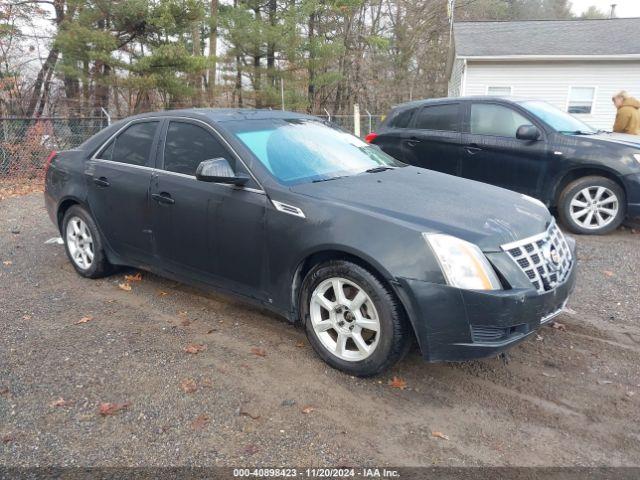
[302, 218]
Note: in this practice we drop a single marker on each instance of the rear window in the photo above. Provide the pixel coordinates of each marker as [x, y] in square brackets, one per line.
[402, 118]
[438, 117]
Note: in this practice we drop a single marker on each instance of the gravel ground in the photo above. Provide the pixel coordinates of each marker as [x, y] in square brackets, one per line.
[570, 396]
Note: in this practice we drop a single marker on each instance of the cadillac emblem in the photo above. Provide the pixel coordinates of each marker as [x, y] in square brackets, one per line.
[551, 256]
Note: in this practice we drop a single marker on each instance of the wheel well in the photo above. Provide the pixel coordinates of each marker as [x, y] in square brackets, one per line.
[62, 209]
[321, 257]
[580, 173]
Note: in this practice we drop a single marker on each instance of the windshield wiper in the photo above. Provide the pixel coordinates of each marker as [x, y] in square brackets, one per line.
[378, 169]
[328, 179]
[577, 132]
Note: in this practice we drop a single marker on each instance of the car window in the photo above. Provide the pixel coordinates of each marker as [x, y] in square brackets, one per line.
[133, 145]
[496, 120]
[438, 117]
[187, 145]
[402, 119]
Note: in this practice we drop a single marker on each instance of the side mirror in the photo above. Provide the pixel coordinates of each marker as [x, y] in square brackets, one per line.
[218, 170]
[527, 132]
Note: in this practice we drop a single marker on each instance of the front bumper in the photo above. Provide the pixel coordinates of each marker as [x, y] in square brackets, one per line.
[455, 325]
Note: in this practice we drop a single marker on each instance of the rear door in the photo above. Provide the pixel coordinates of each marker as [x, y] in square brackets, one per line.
[433, 139]
[390, 138]
[493, 154]
[208, 230]
[118, 179]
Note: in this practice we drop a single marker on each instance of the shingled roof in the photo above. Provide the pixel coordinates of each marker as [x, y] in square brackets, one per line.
[620, 36]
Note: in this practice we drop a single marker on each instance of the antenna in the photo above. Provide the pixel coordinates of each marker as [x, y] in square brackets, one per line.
[613, 10]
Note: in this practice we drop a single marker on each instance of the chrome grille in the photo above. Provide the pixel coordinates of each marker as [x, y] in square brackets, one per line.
[546, 258]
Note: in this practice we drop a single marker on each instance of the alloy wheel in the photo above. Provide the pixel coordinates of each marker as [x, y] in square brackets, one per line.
[344, 319]
[594, 207]
[79, 243]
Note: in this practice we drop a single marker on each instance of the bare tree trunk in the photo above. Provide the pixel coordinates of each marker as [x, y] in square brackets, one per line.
[37, 96]
[197, 76]
[213, 48]
[238, 84]
[271, 45]
[311, 67]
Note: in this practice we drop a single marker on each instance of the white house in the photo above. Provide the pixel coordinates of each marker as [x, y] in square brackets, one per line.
[576, 65]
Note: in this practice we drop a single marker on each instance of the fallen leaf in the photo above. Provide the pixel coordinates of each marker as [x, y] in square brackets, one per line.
[8, 438]
[26, 317]
[195, 348]
[7, 262]
[200, 422]
[300, 344]
[186, 322]
[308, 409]
[4, 390]
[207, 383]
[211, 331]
[124, 286]
[86, 319]
[161, 293]
[244, 413]
[559, 326]
[439, 435]
[608, 273]
[188, 385]
[61, 402]
[133, 278]
[397, 382]
[260, 352]
[250, 449]
[111, 408]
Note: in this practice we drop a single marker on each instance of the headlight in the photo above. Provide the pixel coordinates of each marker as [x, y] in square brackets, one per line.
[637, 157]
[463, 264]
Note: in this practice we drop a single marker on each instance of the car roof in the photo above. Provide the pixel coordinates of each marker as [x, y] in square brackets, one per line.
[219, 115]
[436, 101]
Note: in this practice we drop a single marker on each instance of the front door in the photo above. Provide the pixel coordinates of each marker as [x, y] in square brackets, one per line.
[211, 231]
[118, 184]
[492, 153]
[433, 139]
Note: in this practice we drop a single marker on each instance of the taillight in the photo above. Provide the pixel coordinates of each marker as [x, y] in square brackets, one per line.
[371, 137]
[47, 162]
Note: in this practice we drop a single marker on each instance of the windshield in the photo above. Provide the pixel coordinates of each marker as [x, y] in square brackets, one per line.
[301, 150]
[557, 119]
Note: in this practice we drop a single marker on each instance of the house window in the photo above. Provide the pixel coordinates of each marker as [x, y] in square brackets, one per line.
[581, 99]
[499, 91]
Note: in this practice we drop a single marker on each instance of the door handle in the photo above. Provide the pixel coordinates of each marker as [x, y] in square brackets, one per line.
[413, 141]
[101, 182]
[163, 197]
[472, 149]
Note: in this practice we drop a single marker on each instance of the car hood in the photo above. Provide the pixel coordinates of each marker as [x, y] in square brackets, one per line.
[435, 202]
[624, 139]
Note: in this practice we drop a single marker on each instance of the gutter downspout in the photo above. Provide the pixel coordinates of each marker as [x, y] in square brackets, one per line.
[464, 78]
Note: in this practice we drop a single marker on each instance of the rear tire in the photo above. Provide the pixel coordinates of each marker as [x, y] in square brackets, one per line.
[592, 205]
[362, 331]
[83, 244]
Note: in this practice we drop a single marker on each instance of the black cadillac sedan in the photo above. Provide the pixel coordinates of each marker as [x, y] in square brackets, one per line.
[304, 219]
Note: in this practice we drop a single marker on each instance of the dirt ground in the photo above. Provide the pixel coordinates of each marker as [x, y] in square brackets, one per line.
[257, 395]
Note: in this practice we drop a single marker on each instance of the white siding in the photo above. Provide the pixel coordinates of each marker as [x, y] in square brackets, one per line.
[455, 82]
[550, 81]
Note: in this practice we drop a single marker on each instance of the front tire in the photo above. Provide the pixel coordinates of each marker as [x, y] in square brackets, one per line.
[83, 244]
[592, 205]
[353, 322]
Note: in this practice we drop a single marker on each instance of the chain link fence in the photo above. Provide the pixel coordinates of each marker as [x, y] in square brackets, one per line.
[25, 143]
